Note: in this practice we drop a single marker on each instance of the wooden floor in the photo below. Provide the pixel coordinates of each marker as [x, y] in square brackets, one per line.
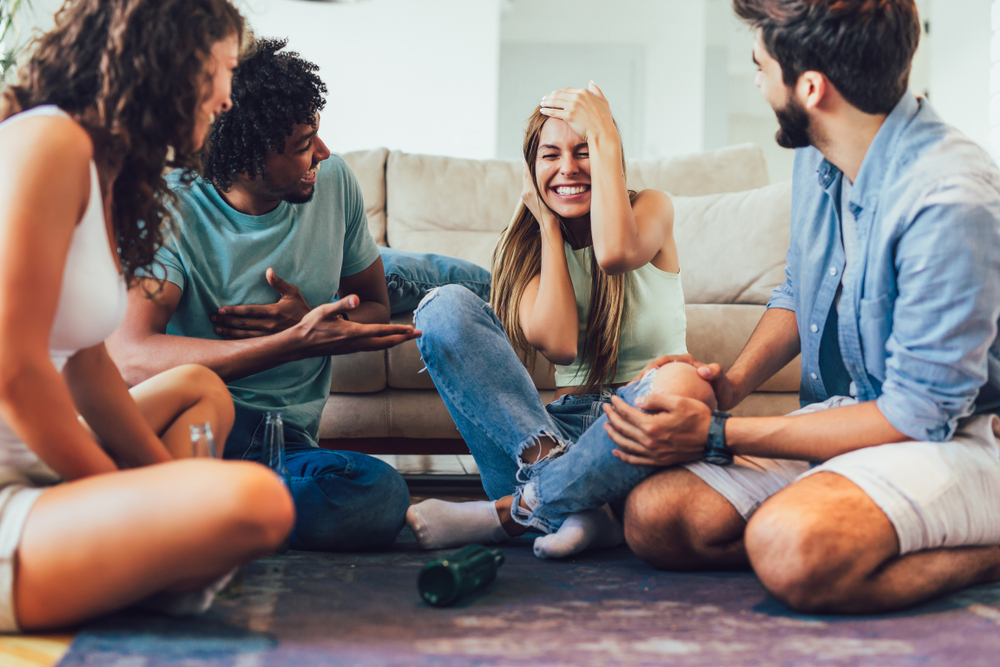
[47, 650]
[33, 650]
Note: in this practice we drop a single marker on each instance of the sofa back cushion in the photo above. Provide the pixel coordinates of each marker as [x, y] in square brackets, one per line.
[732, 246]
[369, 167]
[457, 207]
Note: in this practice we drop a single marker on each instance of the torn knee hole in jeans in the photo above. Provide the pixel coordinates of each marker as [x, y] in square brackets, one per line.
[525, 467]
[427, 297]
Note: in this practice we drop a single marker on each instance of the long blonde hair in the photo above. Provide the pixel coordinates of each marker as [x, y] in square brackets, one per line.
[518, 258]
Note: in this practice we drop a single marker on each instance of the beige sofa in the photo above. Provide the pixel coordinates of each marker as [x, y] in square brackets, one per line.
[731, 229]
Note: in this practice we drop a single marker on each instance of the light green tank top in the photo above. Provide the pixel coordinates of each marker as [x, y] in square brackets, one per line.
[655, 322]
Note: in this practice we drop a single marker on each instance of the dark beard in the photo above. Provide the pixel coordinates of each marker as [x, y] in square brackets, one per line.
[297, 198]
[794, 126]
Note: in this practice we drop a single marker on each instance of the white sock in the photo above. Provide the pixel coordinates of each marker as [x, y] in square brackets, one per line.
[592, 529]
[191, 603]
[439, 524]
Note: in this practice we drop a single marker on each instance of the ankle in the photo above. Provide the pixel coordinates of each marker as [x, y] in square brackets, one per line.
[511, 527]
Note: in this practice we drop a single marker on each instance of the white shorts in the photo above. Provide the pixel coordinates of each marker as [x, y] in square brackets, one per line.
[935, 494]
[19, 490]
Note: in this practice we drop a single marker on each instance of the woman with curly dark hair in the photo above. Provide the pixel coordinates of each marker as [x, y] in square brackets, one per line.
[94, 510]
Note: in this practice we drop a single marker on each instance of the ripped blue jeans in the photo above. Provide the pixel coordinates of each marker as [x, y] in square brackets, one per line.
[497, 409]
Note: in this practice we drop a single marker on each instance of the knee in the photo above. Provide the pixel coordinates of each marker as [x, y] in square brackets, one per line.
[682, 379]
[391, 497]
[369, 517]
[654, 530]
[788, 553]
[442, 304]
[259, 506]
[208, 387]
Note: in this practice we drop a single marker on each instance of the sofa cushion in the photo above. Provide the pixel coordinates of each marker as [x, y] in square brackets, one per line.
[457, 207]
[717, 333]
[358, 373]
[732, 246]
[369, 167]
[730, 169]
[392, 413]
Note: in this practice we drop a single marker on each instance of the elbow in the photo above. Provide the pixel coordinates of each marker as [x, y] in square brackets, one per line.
[560, 356]
[561, 353]
[614, 263]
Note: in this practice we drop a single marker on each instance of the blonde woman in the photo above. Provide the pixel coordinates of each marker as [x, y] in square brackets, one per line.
[586, 274]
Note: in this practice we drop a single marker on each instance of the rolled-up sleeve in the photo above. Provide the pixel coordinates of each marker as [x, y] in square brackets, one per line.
[783, 296]
[944, 317]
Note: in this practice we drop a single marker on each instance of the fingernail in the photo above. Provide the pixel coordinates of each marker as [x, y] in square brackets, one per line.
[211, 318]
[222, 311]
[640, 402]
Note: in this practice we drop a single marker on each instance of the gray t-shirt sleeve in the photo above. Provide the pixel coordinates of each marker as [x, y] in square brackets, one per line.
[360, 249]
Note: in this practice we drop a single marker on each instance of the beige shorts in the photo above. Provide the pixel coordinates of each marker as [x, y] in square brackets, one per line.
[935, 494]
[19, 489]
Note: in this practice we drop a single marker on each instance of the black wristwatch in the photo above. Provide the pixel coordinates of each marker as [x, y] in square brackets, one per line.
[715, 448]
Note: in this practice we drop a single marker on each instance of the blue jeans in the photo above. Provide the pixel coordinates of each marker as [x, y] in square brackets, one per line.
[344, 501]
[498, 411]
[411, 275]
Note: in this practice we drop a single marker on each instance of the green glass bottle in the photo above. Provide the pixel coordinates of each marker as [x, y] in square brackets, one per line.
[446, 580]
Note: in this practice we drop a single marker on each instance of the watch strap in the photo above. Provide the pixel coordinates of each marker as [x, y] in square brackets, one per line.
[715, 447]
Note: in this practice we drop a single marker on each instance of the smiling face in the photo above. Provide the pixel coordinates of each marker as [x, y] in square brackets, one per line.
[219, 66]
[291, 174]
[562, 170]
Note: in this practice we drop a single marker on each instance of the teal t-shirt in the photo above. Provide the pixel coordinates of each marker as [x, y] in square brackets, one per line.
[218, 256]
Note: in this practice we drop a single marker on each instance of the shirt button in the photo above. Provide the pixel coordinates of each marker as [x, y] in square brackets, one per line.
[814, 376]
[833, 271]
[814, 328]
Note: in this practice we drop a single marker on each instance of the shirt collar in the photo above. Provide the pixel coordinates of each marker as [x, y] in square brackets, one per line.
[879, 155]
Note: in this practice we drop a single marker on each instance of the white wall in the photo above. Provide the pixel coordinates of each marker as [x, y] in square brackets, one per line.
[415, 75]
[672, 34]
[959, 64]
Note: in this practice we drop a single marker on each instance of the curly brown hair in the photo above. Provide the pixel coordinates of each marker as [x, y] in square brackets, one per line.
[131, 72]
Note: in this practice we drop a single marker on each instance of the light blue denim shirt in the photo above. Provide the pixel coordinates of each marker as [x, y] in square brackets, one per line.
[924, 287]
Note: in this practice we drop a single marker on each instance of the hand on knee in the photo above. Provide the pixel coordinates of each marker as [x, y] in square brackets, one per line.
[680, 379]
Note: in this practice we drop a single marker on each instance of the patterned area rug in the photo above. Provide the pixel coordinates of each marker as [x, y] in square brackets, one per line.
[603, 608]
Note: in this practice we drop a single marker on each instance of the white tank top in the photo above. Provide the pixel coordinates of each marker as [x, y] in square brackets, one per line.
[92, 299]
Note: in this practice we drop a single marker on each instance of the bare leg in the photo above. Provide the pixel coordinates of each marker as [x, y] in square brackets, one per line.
[822, 545]
[102, 543]
[175, 399]
[675, 521]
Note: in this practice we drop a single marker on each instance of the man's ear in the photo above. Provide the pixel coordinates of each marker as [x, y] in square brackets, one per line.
[812, 89]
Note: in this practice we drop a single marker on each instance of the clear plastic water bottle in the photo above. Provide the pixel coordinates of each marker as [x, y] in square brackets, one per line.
[446, 580]
[202, 441]
[274, 445]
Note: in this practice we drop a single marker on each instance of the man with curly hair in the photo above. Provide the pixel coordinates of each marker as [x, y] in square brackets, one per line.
[273, 205]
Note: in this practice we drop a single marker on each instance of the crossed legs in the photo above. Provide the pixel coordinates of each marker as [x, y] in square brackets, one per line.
[819, 545]
[101, 543]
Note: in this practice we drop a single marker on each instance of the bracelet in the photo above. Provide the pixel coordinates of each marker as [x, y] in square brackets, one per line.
[715, 447]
